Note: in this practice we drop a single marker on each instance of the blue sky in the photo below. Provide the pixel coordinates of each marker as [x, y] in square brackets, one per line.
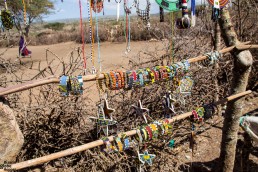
[70, 9]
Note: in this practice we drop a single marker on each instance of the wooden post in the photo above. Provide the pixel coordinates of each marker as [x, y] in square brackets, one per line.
[216, 66]
[161, 13]
[241, 70]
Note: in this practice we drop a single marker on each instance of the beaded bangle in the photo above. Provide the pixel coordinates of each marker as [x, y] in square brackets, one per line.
[146, 77]
[122, 78]
[126, 141]
[106, 76]
[151, 75]
[166, 126]
[129, 79]
[186, 66]
[140, 77]
[144, 132]
[149, 132]
[139, 138]
[170, 74]
[119, 144]
[156, 74]
[125, 79]
[200, 113]
[160, 126]
[157, 70]
[108, 148]
[113, 79]
[164, 73]
[180, 69]
[154, 129]
[136, 78]
[195, 115]
[161, 75]
[173, 70]
[118, 80]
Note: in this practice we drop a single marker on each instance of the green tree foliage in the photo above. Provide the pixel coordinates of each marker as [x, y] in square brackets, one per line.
[55, 26]
[35, 9]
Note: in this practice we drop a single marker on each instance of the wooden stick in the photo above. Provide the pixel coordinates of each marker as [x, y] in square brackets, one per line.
[93, 144]
[54, 79]
[245, 47]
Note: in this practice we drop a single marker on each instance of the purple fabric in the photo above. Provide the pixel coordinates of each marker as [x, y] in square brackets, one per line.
[23, 51]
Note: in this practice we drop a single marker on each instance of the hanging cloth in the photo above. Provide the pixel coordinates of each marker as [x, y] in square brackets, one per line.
[23, 51]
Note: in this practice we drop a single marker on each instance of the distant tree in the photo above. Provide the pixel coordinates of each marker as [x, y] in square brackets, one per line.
[35, 9]
[55, 26]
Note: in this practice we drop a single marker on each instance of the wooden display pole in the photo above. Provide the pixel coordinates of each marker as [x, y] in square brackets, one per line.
[55, 79]
[93, 144]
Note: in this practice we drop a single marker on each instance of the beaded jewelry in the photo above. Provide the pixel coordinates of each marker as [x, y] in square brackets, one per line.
[149, 131]
[64, 85]
[76, 85]
[154, 129]
[146, 157]
[122, 77]
[109, 147]
[139, 136]
[144, 133]
[114, 82]
[119, 144]
[160, 127]
[151, 75]
[107, 80]
[144, 14]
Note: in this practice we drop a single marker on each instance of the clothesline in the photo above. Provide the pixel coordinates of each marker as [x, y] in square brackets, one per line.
[54, 79]
[97, 143]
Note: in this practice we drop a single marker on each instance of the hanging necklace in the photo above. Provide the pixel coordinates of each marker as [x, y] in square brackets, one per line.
[82, 35]
[92, 54]
[97, 30]
[24, 13]
[144, 14]
[127, 26]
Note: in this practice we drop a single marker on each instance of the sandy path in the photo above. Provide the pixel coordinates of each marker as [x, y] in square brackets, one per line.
[112, 57]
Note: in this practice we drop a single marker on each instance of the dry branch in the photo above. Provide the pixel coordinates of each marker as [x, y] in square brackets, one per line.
[54, 79]
[93, 144]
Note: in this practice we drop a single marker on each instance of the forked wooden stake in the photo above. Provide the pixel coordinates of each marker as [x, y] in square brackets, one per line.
[93, 144]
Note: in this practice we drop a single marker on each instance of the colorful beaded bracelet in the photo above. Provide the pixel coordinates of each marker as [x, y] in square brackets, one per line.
[119, 144]
[148, 129]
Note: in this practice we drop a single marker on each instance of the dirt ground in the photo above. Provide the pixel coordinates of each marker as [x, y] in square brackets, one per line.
[113, 57]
